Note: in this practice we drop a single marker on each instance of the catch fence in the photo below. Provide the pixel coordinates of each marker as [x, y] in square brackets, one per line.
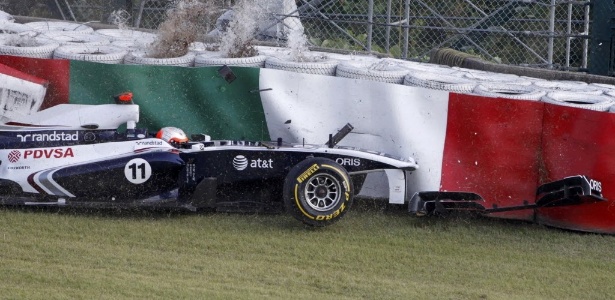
[539, 33]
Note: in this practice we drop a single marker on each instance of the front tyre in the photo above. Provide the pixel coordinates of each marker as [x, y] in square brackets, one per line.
[317, 191]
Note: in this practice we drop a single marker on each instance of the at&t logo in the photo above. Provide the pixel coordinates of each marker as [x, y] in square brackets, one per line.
[240, 163]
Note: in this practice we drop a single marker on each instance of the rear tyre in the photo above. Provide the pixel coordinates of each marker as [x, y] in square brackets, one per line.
[318, 192]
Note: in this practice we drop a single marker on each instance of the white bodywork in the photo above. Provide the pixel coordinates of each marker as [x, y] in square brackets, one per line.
[77, 116]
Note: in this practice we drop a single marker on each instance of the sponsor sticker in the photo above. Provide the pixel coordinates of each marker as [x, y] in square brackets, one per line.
[50, 137]
[47, 153]
[150, 143]
[241, 163]
[307, 173]
[356, 162]
[137, 170]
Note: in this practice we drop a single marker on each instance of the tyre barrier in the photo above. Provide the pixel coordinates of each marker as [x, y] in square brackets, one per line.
[380, 71]
[17, 45]
[508, 91]
[603, 86]
[45, 26]
[440, 82]
[140, 58]
[15, 28]
[127, 45]
[75, 38]
[127, 35]
[101, 54]
[326, 67]
[483, 76]
[579, 100]
[206, 59]
[570, 86]
[426, 67]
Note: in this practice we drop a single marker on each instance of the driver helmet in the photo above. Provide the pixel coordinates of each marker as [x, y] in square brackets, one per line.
[172, 135]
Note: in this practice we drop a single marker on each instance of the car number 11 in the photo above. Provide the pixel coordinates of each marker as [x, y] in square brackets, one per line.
[137, 170]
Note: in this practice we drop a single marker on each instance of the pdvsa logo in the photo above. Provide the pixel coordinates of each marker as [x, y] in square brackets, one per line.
[241, 163]
[46, 153]
[14, 156]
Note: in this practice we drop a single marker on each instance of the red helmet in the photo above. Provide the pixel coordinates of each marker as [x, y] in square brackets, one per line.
[172, 135]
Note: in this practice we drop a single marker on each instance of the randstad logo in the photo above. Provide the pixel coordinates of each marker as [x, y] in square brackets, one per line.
[241, 163]
[50, 137]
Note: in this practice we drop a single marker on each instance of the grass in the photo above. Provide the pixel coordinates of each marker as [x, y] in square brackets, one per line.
[371, 253]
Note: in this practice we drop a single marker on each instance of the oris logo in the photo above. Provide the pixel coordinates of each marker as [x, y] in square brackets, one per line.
[14, 156]
[240, 162]
[348, 161]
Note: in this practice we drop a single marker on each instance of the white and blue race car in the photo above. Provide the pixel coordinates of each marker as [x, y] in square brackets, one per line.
[75, 155]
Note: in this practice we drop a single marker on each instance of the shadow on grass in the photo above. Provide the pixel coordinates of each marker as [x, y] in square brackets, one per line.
[104, 212]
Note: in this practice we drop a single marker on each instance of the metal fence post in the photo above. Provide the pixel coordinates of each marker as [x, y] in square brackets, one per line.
[370, 25]
[387, 30]
[551, 33]
[586, 41]
[406, 23]
[568, 32]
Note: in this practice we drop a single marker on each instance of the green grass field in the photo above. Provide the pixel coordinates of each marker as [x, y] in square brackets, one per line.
[373, 253]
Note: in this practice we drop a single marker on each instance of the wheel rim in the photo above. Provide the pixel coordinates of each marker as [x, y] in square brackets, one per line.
[322, 192]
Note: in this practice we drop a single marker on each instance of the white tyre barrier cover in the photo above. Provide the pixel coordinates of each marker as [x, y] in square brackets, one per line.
[571, 86]
[431, 68]
[508, 90]
[326, 67]
[605, 87]
[16, 45]
[7, 27]
[578, 100]
[207, 59]
[75, 38]
[127, 35]
[483, 76]
[140, 58]
[4, 16]
[383, 71]
[440, 82]
[59, 26]
[102, 54]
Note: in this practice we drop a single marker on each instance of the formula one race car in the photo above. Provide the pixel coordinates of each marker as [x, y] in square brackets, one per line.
[75, 155]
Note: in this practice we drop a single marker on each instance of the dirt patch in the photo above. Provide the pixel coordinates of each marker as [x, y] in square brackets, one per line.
[183, 25]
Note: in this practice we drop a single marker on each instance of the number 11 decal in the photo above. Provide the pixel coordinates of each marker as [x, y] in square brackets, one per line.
[137, 170]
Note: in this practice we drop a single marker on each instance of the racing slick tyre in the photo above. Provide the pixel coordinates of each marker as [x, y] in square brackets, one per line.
[318, 192]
